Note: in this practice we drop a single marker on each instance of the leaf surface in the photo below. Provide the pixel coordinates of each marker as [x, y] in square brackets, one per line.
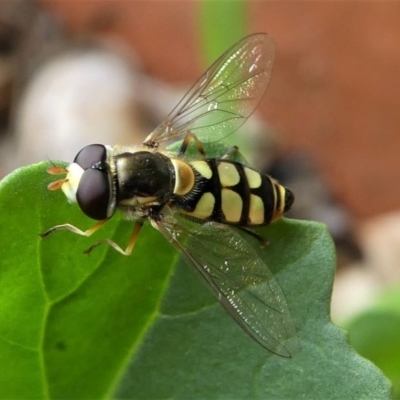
[375, 334]
[108, 326]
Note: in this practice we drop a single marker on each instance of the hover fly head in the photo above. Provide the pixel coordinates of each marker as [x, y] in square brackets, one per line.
[88, 182]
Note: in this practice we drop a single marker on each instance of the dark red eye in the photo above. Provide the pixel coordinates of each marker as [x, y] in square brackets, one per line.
[94, 192]
[91, 155]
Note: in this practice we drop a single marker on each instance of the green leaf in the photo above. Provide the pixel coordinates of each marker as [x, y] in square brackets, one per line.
[375, 334]
[108, 326]
[222, 23]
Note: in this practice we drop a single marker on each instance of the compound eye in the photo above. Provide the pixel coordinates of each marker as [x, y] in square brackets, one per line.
[91, 155]
[93, 195]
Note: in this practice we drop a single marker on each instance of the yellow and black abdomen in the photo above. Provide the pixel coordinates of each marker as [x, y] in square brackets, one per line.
[231, 193]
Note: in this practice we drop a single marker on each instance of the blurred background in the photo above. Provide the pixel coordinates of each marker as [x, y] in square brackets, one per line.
[81, 72]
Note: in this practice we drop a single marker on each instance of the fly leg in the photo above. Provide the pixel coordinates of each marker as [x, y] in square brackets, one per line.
[233, 154]
[93, 229]
[263, 242]
[185, 144]
[74, 229]
[234, 150]
[131, 244]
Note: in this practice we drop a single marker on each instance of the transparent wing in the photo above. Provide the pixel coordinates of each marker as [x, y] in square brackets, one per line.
[225, 96]
[239, 278]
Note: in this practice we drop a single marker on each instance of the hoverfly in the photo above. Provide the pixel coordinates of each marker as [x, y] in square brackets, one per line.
[198, 202]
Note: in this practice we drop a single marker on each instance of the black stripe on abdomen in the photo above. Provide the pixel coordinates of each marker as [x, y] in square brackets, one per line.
[267, 194]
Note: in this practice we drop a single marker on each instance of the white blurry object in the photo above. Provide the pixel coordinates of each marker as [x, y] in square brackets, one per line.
[381, 239]
[83, 96]
[355, 290]
[357, 286]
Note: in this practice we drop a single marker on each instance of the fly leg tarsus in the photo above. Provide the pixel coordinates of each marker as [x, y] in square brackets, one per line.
[263, 242]
[111, 243]
[74, 229]
[232, 151]
[185, 144]
[131, 244]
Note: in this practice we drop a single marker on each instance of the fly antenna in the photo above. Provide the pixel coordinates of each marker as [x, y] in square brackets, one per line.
[56, 184]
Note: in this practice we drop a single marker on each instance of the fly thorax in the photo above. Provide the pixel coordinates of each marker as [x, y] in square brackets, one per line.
[143, 178]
